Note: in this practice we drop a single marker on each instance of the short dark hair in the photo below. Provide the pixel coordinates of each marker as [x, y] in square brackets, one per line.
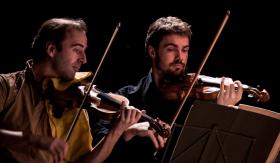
[54, 30]
[165, 26]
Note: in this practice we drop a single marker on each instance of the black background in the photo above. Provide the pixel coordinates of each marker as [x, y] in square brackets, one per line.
[246, 50]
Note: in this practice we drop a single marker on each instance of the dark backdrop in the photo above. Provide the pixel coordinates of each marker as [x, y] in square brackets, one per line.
[246, 50]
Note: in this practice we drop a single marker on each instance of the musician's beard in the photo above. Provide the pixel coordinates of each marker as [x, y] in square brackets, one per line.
[171, 74]
[171, 77]
[170, 83]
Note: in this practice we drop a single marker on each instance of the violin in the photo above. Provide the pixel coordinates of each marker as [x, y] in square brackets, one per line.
[107, 105]
[110, 103]
[205, 88]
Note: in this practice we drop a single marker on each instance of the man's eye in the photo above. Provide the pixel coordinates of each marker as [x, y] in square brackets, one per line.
[78, 51]
[186, 50]
[171, 49]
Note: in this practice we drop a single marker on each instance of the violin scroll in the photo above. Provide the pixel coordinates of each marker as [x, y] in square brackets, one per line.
[261, 96]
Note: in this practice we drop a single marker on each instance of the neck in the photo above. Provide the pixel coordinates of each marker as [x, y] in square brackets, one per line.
[157, 77]
[42, 70]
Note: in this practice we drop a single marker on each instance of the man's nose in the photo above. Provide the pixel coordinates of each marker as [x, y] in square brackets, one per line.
[83, 58]
[180, 55]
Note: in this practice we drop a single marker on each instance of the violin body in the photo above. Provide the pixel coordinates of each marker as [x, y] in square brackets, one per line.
[70, 94]
[205, 88]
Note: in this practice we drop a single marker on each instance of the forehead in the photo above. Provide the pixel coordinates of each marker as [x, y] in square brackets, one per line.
[76, 36]
[175, 39]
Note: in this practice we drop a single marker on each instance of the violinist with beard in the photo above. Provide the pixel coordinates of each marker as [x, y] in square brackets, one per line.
[167, 44]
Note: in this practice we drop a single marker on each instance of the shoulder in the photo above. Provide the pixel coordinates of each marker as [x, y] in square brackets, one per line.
[11, 80]
[133, 89]
[9, 85]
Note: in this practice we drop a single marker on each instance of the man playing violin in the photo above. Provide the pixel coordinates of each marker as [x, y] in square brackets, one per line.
[167, 44]
[29, 131]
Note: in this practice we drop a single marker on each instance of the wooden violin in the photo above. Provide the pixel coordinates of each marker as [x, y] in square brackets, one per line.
[205, 88]
[69, 95]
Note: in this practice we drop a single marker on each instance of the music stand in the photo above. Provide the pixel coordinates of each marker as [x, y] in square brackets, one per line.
[217, 134]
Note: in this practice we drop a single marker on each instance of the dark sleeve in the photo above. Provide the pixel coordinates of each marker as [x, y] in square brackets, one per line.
[133, 94]
[100, 128]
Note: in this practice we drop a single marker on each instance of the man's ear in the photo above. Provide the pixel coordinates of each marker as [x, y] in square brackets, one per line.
[151, 51]
[51, 49]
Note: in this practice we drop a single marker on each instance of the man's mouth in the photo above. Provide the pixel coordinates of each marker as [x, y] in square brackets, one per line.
[76, 68]
[178, 65]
